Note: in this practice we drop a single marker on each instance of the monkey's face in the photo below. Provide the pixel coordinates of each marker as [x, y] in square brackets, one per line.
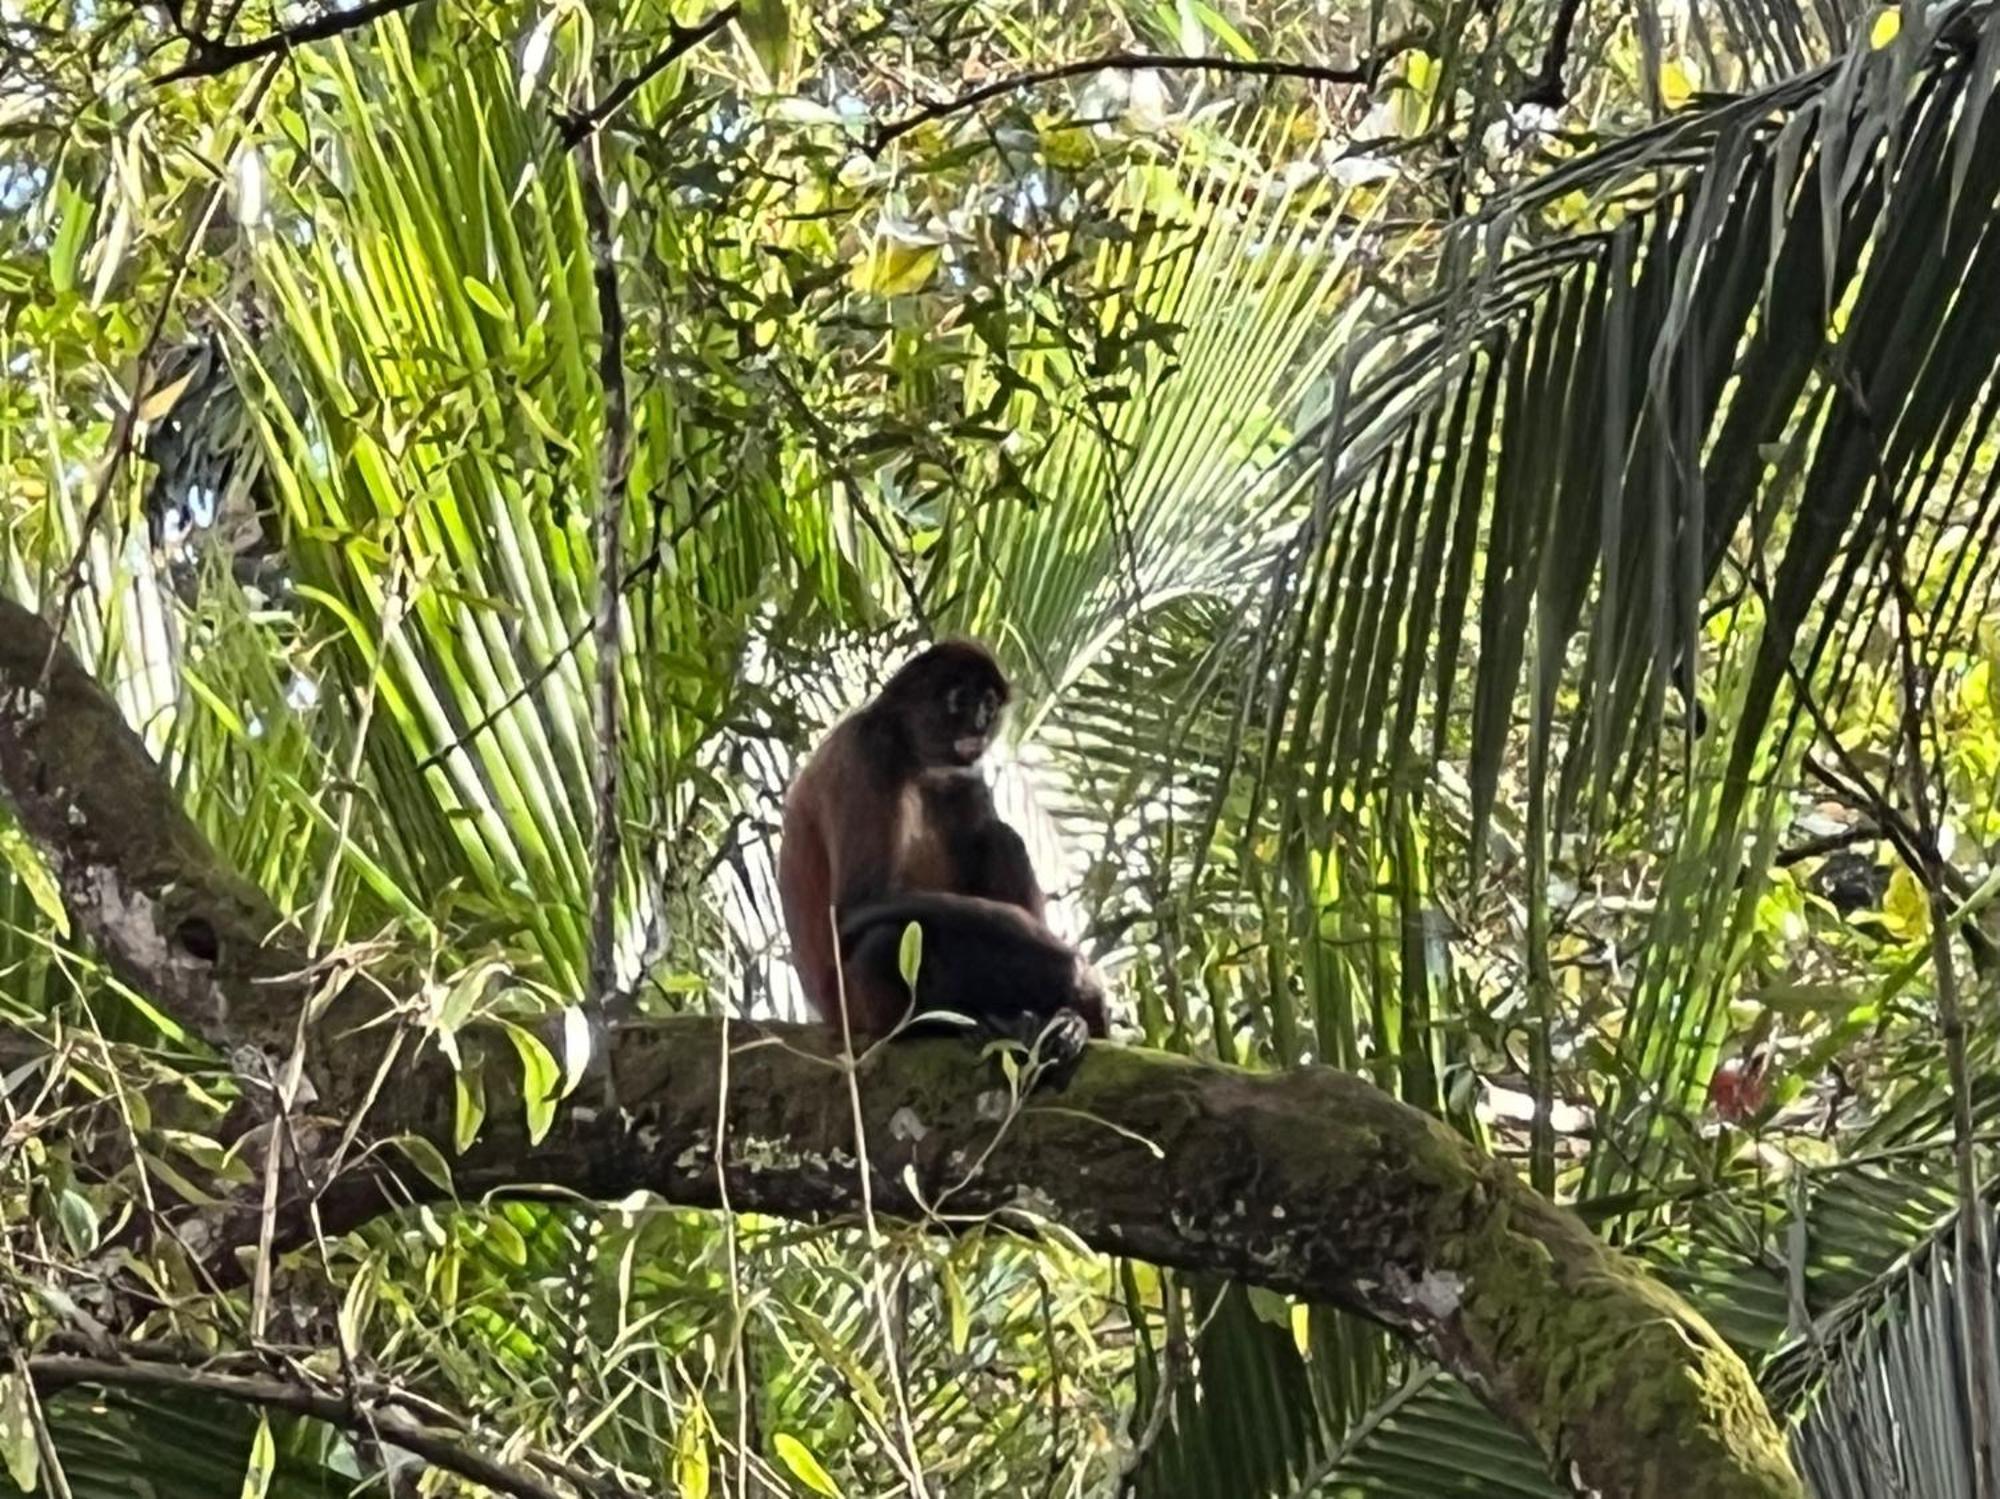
[948, 702]
[970, 714]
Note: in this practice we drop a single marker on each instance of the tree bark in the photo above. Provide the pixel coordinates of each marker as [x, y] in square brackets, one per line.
[1309, 1181]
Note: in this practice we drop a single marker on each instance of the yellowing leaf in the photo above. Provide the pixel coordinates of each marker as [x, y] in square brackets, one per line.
[1571, 210]
[1906, 909]
[540, 1081]
[1067, 147]
[20, 856]
[470, 1101]
[910, 953]
[263, 1459]
[161, 399]
[894, 269]
[691, 1458]
[1302, 1329]
[1887, 27]
[795, 1455]
[1676, 83]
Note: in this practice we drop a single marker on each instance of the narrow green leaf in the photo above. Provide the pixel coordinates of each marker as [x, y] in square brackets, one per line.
[78, 1219]
[767, 25]
[541, 1081]
[427, 1158]
[691, 1456]
[485, 299]
[469, 1089]
[20, 856]
[805, 1467]
[263, 1461]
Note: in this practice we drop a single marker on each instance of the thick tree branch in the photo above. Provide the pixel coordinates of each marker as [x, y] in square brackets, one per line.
[135, 872]
[1309, 1181]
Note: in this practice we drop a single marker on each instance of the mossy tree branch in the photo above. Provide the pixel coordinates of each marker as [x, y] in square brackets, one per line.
[1309, 1181]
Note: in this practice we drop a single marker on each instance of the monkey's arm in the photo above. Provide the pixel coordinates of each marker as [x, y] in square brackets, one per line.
[805, 891]
[1005, 872]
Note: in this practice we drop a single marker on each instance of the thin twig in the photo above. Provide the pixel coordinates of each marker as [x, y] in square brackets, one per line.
[209, 57]
[1175, 1356]
[1827, 843]
[864, 1171]
[680, 40]
[55, 1370]
[1362, 73]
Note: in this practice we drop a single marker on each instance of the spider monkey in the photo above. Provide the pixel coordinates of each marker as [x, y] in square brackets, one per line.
[890, 823]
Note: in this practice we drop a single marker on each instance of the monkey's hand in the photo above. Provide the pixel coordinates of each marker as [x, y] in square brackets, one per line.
[1056, 1043]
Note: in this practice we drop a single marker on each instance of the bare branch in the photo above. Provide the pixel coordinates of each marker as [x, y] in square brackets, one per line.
[1548, 87]
[1826, 843]
[208, 57]
[680, 41]
[1359, 74]
[54, 1371]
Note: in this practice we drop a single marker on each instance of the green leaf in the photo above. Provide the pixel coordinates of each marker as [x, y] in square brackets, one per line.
[78, 1219]
[485, 299]
[358, 1305]
[505, 1240]
[910, 954]
[805, 1467]
[469, 1089]
[428, 1159]
[21, 857]
[541, 1081]
[691, 1456]
[17, 1430]
[767, 25]
[1271, 1307]
[954, 1300]
[892, 268]
[263, 1461]
[74, 212]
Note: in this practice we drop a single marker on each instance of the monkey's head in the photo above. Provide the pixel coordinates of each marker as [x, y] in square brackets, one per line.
[947, 702]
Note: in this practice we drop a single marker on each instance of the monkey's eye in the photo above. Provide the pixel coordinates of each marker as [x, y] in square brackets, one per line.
[954, 701]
